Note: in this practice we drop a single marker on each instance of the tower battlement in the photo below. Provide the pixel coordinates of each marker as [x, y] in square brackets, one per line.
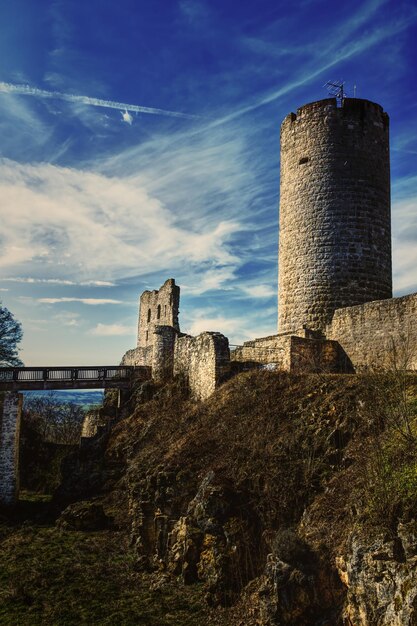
[363, 111]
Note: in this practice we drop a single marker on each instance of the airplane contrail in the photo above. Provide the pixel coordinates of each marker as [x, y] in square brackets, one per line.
[26, 90]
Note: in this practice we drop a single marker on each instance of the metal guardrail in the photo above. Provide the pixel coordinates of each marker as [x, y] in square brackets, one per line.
[65, 374]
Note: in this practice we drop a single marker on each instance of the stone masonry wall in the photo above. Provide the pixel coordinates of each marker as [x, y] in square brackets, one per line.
[318, 355]
[157, 308]
[381, 334]
[163, 353]
[138, 356]
[334, 242]
[9, 447]
[202, 361]
[294, 354]
[274, 349]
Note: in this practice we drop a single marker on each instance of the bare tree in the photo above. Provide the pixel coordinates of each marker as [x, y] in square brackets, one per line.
[54, 420]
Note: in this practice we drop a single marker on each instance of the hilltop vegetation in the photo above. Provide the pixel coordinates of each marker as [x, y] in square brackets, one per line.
[281, 500]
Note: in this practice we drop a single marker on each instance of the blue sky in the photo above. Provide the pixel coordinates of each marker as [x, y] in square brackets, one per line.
[99, 202]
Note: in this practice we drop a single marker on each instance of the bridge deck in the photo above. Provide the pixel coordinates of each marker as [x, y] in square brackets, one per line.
[66, 377]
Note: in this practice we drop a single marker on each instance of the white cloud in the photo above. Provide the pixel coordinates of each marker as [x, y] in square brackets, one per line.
[92, 224]
[108, 330]
[67, 318]
[89, 301]
[404, 226]
[209, 280]
[58, 281]
[260, 291]
[238, 328]
[220, 324]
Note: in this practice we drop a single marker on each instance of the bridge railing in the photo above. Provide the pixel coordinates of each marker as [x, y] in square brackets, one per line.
[64, 374]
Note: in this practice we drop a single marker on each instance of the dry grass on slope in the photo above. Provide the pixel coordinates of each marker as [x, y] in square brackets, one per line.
[276, 438]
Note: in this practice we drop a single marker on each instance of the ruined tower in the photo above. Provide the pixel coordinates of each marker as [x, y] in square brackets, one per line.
[157, 308]
[335, 233]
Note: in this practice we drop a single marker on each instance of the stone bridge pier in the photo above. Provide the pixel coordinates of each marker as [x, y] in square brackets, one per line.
[10, 418]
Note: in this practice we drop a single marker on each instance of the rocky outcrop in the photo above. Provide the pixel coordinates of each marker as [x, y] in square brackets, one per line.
[212, 543]
[84, 516]
[380, 577]
[261, 496]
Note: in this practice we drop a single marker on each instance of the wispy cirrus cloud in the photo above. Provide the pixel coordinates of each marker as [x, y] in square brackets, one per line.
[112, 330]
[58, 281]
[260, 291]
[27, 90]
[341, 50]
[195, 200]
[89, 301]
[67, 318]
[237, 327]
[88, 223]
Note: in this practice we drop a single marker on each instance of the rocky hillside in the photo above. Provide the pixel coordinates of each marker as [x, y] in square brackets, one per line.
[285, 499]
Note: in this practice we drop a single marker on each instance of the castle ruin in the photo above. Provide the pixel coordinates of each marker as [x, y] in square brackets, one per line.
[335, 307]
[202, 362]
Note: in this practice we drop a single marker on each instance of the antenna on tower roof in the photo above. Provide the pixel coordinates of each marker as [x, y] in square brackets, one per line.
[336, 88]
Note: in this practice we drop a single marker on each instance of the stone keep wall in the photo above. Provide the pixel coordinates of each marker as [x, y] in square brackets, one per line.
[380, 334]
[294, 354]
[138, 357]
[9, 447]
[163, 353]
[335, 242]
[203, 362]
[273, 349]
[157, 308]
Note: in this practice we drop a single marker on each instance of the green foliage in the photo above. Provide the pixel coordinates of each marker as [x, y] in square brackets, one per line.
[404, 480]
[10, 335]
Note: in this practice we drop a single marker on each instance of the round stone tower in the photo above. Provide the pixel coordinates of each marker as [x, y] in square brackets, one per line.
[335, 231]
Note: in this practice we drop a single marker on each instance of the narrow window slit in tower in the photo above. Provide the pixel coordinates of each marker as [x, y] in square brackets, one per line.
[303, 160]
[158, 312]
[149, 315]
[147, 335]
